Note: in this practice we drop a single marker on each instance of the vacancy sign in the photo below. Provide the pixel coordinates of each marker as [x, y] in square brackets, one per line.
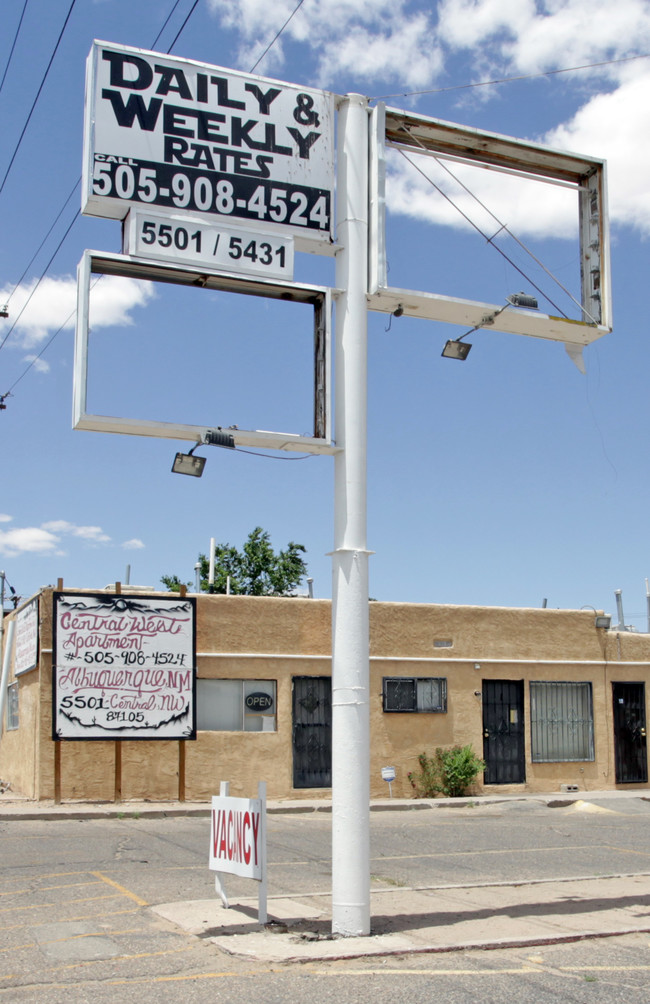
[237, 836]
[177, 134]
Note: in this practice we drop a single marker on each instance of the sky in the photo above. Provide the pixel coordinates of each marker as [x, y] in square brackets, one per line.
[512, 479]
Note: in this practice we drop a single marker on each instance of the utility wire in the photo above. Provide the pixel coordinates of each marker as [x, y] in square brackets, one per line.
[274, 40]
[167, 20]
[77, 213]
[180, 30]
[490, 240]
[502, 226]
[39, 248]
[38, 94]
[509, 80]
[13, 45]
[42, 276]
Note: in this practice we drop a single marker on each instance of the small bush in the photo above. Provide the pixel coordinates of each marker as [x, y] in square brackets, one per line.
[448, 772]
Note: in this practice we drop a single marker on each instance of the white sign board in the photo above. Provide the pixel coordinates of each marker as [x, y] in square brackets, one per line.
[124, 667]
[237, 836]
[26, 643]
[178, 134]
[196, 241]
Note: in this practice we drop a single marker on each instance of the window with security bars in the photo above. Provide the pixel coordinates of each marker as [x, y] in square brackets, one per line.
[561, 722]
[410, 693]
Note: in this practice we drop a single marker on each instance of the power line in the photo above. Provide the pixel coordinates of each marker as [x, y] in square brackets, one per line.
[180, 30]
[167, 20]
[490, 240]
[509, 80]
[40, 246]
[42, 276]
[38, 94]
[70, 225]
[13, 44]
[274, 40]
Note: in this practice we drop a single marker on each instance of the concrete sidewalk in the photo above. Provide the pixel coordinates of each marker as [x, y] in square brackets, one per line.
[409, 921]
[404, 920]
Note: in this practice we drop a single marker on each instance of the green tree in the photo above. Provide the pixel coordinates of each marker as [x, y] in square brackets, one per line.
[256, 570]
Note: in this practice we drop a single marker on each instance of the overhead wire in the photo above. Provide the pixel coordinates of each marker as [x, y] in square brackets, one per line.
[276, 37]
[13, 45]
[38, 94]
[502, 227]
[510, 80]
[77, 213]
[490, 240]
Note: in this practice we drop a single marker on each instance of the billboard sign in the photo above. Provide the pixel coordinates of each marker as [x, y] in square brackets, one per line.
[26, 643]
[124, 667]
[181, 135]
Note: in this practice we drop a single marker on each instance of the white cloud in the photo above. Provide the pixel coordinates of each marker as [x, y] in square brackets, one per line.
[28, 540]
[403, 52]
[38, 311]
[133, 545]
[40, 365]
[617, 126]
[93, 533]
[46, 539]
[532, 37]
[4, 518]
[528, 208]
[376, 39]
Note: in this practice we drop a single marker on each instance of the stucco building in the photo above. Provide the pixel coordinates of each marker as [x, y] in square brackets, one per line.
[546, 697]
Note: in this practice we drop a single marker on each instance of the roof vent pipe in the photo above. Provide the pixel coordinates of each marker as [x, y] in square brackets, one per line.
[619, 609]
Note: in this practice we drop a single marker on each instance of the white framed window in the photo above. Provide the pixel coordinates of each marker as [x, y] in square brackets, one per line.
[236, 705]
[415, 693]
[561, 721]
[12, 706]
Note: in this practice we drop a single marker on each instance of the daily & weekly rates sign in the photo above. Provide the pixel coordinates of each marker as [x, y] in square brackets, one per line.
[174, 133]
[124, 667]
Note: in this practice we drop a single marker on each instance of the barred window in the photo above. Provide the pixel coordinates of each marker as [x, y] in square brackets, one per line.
[561, 722]
[409, 693]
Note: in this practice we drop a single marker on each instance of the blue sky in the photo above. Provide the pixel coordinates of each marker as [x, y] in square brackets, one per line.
[506, 480]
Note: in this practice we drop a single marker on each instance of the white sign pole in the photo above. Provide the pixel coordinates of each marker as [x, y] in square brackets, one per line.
[261, 893]
[350, 629]
[224, 791]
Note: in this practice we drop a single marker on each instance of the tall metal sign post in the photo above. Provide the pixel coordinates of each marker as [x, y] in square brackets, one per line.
[350, 628]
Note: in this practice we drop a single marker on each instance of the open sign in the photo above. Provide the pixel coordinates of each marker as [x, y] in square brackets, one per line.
[259, 702]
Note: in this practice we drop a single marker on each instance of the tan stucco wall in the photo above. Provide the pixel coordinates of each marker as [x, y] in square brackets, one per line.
[277, 639]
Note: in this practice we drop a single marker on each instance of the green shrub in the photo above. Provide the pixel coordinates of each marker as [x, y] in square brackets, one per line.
[448, 772]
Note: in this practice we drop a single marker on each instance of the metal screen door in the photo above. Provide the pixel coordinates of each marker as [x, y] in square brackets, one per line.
[503, 731]
[630, 752]
[312, 732]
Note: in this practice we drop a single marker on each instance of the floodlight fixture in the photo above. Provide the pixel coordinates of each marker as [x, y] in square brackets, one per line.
[456, 349]
[603, 621]
[217, 437]
[522, 300]
[185, 463]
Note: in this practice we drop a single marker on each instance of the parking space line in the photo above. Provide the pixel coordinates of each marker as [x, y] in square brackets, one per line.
[121, 888]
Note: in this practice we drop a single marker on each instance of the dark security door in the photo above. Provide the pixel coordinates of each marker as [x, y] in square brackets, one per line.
[312, 732]
[630, 753]
[503, 731]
